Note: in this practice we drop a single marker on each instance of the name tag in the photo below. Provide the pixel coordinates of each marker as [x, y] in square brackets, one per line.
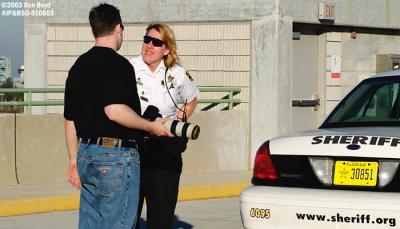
[144, 98]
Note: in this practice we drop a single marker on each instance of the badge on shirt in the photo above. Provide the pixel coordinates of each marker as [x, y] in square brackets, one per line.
[139, 82]
[189, 76]
[170, 78]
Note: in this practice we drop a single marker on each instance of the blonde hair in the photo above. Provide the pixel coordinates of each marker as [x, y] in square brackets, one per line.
[168, 36]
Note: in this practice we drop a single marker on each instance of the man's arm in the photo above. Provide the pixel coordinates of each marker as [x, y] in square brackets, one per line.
[124, 115]
[188, 108]
[72, 146]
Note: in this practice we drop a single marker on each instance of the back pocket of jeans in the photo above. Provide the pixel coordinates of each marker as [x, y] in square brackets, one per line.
[106, 176]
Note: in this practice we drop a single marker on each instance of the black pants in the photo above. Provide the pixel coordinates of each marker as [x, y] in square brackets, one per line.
[160, 188]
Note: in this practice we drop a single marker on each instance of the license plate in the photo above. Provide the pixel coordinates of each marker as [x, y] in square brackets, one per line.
[355, 173]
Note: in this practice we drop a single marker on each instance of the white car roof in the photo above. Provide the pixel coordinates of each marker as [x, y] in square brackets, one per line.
[395, 73]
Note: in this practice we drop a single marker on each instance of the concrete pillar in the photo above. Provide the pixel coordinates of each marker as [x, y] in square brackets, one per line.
[35, 61]
[271, 79]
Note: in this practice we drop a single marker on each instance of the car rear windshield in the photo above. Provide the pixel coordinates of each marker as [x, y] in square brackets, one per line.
[374, 102]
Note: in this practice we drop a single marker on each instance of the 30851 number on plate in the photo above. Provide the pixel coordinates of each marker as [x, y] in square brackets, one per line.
[355, 173]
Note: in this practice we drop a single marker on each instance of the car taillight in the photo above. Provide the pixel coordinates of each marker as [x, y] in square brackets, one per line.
[323, 169]
[263, 166]
[387, 170]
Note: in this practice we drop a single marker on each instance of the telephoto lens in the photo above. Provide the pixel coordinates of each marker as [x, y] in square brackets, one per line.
[180, 129]
[183, 129]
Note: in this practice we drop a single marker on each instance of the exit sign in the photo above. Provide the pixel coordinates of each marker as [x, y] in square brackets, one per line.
[326, 11]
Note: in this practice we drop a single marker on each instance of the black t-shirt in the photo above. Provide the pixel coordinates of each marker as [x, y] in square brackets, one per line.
[98, 78]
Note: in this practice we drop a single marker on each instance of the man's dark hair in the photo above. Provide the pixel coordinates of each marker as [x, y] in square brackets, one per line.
[103, 18]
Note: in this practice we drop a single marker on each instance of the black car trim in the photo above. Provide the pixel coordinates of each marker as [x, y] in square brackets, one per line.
[297, 172]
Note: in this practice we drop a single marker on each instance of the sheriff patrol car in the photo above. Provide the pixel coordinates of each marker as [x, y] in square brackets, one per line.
[345, 174]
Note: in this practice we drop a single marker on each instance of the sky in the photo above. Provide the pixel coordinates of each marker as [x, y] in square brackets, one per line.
[12, 39]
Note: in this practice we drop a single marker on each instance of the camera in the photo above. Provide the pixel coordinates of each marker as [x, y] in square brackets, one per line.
[180, 129]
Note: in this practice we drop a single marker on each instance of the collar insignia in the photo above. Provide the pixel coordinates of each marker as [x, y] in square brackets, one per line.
[189, 76]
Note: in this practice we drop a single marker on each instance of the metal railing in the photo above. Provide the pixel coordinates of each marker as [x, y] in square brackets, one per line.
[228, 99]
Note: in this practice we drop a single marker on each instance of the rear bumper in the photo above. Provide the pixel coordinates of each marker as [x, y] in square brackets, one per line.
[318, 208]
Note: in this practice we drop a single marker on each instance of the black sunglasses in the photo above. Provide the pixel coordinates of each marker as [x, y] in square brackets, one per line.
[156, 42]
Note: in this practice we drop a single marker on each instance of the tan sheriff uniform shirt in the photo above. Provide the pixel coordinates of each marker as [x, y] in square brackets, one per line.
[152, 87]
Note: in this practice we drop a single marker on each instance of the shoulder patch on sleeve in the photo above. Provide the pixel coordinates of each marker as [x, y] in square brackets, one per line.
[189, 76]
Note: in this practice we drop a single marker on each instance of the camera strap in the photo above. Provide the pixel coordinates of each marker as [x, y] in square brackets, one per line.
[184, 118]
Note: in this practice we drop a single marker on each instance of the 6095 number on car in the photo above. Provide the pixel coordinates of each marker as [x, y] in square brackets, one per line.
[260, 213]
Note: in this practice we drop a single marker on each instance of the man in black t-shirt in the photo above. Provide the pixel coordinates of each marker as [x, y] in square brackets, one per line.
[103, 128]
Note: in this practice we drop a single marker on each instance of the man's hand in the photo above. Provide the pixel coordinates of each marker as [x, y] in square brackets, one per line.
[73, 176]
[158, 128]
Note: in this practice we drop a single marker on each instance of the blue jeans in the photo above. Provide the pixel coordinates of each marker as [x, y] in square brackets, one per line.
[110, 180]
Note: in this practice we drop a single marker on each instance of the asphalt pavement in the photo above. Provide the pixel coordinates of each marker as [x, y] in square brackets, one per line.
[220, 213]
[60, 196]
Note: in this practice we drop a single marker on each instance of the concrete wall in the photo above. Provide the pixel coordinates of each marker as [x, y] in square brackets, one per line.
[363, 13]
[359, 55]
[215, 54]
[42, 154]
[40, 150]
[76, 12]
[7, 159]
[271, 29]
[358, 59]
[222, 144]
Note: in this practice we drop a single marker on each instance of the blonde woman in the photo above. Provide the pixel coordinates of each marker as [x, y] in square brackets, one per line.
[160, 82]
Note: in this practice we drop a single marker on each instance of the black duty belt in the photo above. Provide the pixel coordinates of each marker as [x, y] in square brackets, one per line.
[110, 142]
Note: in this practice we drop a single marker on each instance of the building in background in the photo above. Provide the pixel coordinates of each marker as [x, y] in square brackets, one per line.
[19, 81]
[293, 60]
[5, 68]
[21, 72]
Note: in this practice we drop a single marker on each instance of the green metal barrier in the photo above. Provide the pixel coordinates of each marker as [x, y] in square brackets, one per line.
[228, 99]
